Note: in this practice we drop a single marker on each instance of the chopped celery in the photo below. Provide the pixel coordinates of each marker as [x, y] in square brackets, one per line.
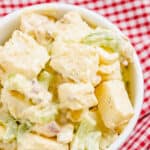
[11, 76]
[45, 78]
[87, 125]
[92, 141]
[38, 114]
[110, 41]
[10, 125]
[11, 131]
[103, 38]
[24, 127]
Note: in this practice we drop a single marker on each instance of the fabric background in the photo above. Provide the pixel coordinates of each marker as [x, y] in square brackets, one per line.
[133, 18]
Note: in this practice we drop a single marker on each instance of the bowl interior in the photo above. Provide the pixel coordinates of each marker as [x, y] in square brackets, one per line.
[11, 22]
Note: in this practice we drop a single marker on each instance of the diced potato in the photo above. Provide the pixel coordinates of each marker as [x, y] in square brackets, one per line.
[76, 96]
[75, 115]
[106, 57]
[71, 17]
[14, 105]
[31, 141]
[76, 61]
[114, 104]
[21, 54]
[31, 90]
[72, 27]
[38, 26]
[110, 72]
[66, 134]
[32, 23]
[48, 130]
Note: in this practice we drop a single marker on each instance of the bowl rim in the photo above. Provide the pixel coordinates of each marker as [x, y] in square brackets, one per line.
[103, 21]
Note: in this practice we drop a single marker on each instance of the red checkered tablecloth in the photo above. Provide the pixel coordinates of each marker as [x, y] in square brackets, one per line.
[133, 18]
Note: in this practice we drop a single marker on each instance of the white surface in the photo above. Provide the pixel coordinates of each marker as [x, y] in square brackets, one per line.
[11, 22]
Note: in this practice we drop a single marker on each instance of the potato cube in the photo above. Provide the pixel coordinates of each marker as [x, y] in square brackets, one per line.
[22, 54]
[114, 104]
[77, 96]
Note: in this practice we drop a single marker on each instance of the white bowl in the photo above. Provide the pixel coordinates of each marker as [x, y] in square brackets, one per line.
[11, 22]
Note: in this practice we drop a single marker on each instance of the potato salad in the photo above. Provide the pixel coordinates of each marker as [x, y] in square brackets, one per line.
[64, 85]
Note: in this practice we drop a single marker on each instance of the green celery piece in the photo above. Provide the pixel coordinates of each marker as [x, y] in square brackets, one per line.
[105, 39]
[23, 128]
[45, 79]
[93, 141]
[47, 117]
[41, 115]
[11, 131]
[87, 125]
[11, 127]
[12, 75]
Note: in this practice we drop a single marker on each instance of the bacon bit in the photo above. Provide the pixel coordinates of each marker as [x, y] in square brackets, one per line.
[54, 127]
